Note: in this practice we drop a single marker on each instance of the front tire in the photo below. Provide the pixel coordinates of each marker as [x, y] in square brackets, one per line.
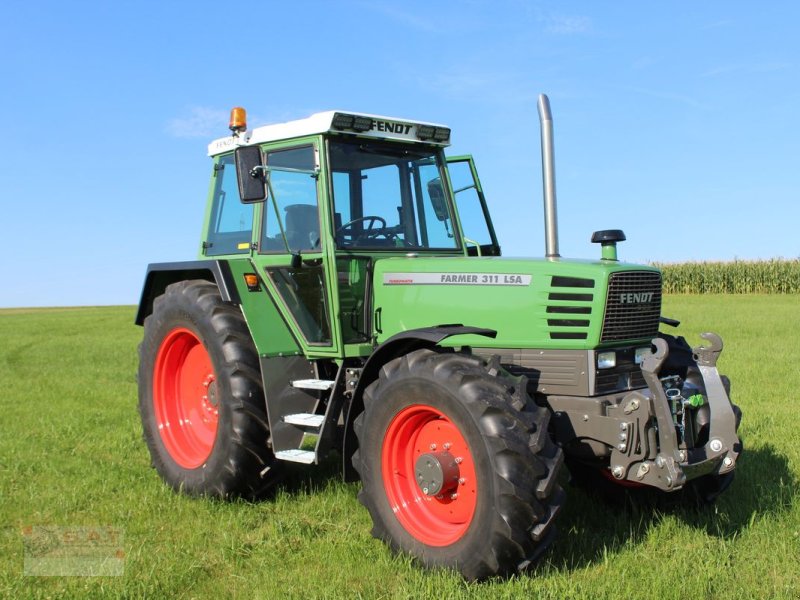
[200, 395]
[490, 504]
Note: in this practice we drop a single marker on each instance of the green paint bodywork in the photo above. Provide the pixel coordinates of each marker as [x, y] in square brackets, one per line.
[270, 334]
[517, 313]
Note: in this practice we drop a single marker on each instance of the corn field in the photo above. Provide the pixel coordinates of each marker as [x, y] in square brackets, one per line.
[776, 276]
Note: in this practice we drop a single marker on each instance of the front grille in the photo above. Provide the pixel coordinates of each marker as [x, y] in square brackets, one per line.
[633, 306]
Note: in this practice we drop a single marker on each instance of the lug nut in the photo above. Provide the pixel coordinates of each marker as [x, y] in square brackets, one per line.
[728, 461]
[462, 481]
[618, 472]
[459, 460]
[716, 445]
[453, 496]
[433, 446]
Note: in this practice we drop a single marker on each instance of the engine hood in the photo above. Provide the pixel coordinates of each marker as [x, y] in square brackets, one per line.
[530, 302]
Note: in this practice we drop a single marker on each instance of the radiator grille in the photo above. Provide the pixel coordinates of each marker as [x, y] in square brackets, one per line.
[633, 306]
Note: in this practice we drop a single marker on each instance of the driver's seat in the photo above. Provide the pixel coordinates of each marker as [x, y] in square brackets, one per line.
[302, 227]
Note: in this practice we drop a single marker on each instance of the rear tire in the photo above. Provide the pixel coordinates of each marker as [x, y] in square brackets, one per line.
[494, 512]
[200, 395]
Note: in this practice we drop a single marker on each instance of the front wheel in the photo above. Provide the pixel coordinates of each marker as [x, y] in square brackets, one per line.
[456, 464]
[200, 395]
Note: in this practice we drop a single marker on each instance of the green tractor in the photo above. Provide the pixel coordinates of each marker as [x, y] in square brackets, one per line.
[350, 297]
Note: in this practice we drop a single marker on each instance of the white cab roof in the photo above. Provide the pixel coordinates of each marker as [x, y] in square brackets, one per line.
[381, 128]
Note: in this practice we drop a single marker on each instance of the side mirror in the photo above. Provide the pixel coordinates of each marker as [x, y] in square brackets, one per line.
[436, 193]
[250, 174]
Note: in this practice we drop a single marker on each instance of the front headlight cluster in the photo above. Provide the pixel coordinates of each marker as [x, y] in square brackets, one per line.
[608, 358]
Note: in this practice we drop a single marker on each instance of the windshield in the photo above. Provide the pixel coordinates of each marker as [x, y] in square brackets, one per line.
[389, 196]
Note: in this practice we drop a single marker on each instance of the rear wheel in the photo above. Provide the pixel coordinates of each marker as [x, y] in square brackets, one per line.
[200, 395]
[456, 464]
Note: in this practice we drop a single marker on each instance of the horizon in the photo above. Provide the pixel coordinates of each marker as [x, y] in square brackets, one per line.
[676, 124]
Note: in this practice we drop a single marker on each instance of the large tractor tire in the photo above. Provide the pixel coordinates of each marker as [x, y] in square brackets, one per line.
[200, 395]
[456, 464]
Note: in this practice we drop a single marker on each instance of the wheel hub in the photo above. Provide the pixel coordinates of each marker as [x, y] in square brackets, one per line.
[436, 473]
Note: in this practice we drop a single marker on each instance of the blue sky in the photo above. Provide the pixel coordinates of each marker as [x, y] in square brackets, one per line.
[677, 122]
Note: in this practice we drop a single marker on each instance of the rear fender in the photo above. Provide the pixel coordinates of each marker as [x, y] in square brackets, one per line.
[160, 275]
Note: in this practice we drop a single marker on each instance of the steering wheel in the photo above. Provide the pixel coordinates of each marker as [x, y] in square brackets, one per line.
[369, 232]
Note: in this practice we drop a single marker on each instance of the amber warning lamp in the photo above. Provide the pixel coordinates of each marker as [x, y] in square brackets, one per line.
[238, 122]
[251, 279]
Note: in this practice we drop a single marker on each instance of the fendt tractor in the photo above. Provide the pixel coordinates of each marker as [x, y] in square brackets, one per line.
[350, 297]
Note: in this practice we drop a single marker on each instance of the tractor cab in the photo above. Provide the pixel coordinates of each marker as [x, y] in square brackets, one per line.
[315, 202]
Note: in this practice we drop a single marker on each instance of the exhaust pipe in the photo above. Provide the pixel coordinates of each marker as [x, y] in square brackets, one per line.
[548, 179]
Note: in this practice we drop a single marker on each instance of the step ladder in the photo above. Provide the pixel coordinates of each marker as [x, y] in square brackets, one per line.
[310, 423]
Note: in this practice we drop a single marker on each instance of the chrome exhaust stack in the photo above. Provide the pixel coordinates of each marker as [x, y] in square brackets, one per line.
[548, 179]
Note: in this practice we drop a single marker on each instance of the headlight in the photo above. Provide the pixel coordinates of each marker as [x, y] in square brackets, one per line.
[641, 354]
[606, 360]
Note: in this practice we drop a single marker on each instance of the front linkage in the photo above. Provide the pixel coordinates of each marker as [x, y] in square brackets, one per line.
[681, 428]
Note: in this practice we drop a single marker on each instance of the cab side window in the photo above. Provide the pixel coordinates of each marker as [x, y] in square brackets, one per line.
[293, 184]
[230, 226]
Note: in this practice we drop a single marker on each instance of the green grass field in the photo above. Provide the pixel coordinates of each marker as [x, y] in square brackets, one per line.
[71, 454]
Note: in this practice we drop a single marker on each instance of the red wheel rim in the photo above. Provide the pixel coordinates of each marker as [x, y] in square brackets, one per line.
[185, 398]
[433, 520]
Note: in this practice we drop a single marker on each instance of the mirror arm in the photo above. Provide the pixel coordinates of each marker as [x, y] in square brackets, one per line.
[466, 187]
[254, 172]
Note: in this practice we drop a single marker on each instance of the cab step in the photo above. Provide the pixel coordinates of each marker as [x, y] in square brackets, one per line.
[305, 420]
[306, 457]
[313, 384]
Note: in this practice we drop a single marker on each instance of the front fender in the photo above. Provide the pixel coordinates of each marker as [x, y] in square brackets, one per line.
[397, 345]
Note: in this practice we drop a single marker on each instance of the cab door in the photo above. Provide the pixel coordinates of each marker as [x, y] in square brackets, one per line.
[289, 254]
[473, 213]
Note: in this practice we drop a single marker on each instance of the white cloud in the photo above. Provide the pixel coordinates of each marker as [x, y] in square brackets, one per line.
[480, 84]
[406, 18]
[749, 67]
[200, 122]
[718, 24]
[567, 25]
[670, 96]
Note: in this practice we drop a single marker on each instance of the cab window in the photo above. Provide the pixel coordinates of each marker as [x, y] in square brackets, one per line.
[293, 187]
[389, 196]
[230, 226]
